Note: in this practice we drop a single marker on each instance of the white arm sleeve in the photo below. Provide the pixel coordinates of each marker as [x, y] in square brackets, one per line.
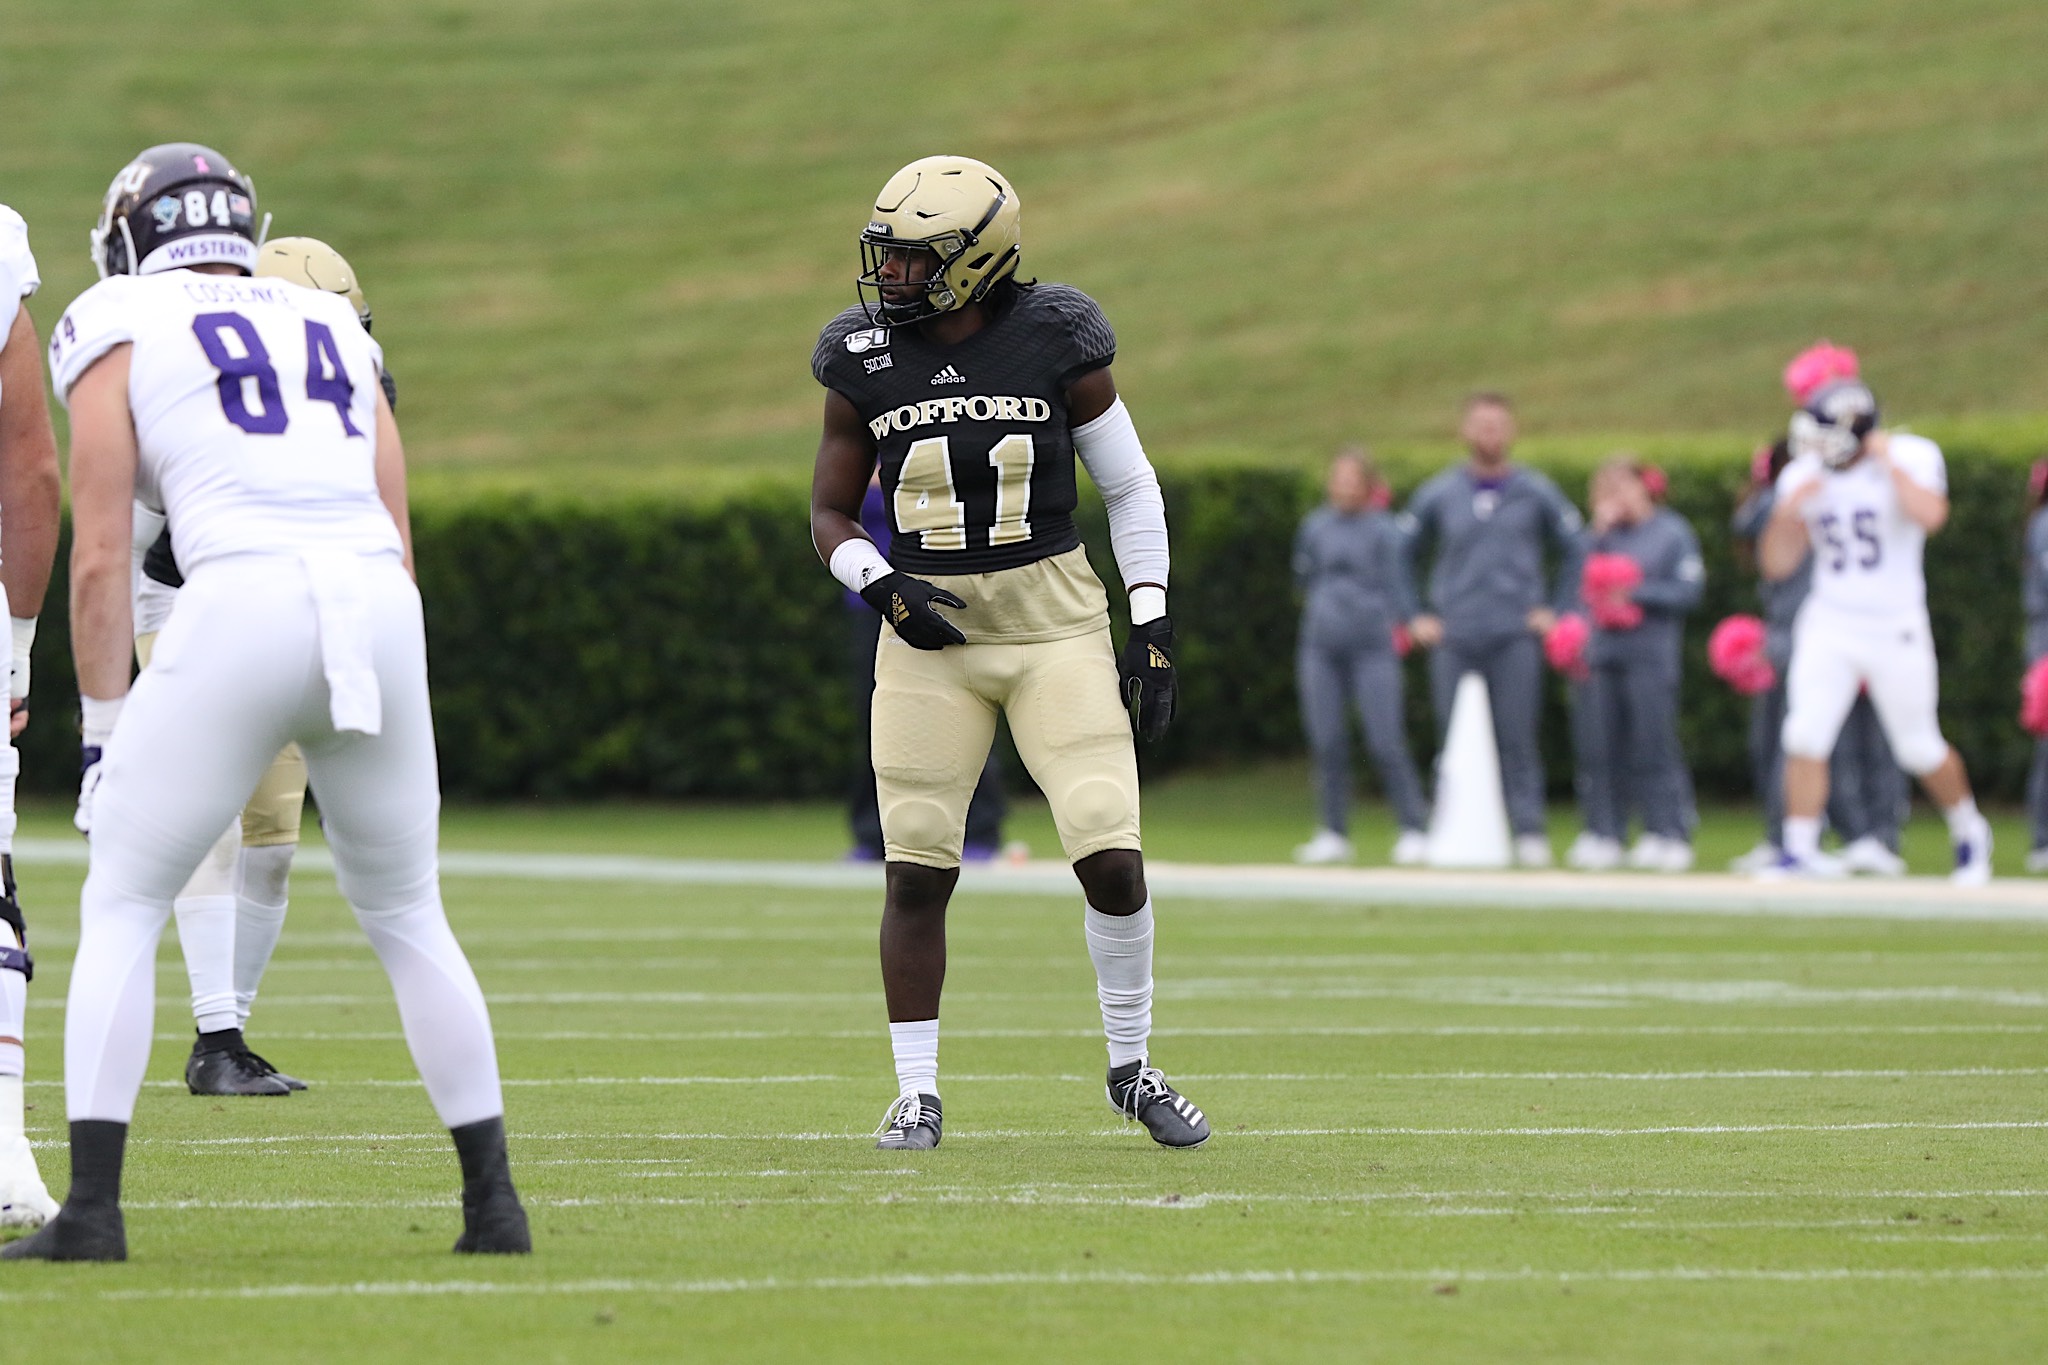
[1111, 453]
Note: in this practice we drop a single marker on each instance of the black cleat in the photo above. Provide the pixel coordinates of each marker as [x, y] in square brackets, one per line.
[911, 1125]
[1140, 1092]
[232, 1071]
[494, 1224]
[263, 1065]
[79, 1232]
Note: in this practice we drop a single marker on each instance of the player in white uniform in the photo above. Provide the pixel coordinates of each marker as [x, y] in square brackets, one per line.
[248, 412]
[231, 913]
[1864, 500]
[29, 493]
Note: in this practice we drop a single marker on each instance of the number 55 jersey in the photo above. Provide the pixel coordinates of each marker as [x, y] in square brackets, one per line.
[255, 405]
[977, 455]
[1866, 550]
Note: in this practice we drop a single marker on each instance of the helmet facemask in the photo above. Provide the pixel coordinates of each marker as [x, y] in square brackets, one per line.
[1833, 424]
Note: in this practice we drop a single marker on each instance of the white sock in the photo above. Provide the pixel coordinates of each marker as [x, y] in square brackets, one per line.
[206, 932]
[13, 1028]
[262, 880]
[1121, 948]
[13, 1111]
[1802, 835]
[916, 1046]
[206, 935]
[447, 1026]
[1962, 818]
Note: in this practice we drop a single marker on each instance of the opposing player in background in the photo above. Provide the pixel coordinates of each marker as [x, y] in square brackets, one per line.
[1863, 500]
[29, 495]
[976, 392]
[231, 913]
[1491, 600]
[248, 412]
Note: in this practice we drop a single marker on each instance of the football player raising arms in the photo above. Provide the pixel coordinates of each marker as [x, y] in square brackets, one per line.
[975, 391]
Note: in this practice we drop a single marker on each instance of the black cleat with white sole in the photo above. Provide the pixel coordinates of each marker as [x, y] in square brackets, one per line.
[229, 1068]
[1140, 1092]
[911, 1125]
[79, 1232]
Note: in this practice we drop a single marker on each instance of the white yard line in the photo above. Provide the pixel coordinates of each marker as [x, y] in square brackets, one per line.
[1911, 898]
[1207, 1279]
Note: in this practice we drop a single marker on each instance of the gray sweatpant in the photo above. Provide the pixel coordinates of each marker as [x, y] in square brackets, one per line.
[1332, 680]
[1628, 750]
[1513, 669]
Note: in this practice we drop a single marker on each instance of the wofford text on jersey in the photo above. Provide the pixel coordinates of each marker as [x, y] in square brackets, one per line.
[979, 408]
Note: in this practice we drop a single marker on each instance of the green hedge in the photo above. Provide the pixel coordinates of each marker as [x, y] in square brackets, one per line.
[649, 648]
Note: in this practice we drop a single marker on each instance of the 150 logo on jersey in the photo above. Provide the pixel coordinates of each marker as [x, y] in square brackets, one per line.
[327, 378]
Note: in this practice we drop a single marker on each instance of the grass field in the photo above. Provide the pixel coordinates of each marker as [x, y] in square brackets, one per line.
[601, 235]
[1446, 1134]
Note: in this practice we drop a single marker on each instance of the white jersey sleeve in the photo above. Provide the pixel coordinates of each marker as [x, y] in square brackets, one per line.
[96, 322]
[1919, 459]
[18, 275]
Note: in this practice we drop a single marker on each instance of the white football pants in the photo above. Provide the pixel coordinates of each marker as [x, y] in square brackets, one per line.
[243, 666]
[1836, 654]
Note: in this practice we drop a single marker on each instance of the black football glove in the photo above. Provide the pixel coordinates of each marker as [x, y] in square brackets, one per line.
[906, 603]
[1146, 671]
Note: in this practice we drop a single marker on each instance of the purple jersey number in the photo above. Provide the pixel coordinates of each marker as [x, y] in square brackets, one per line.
[269, 418]
[326, 376]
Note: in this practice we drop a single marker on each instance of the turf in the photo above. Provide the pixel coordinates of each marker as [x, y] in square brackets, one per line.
[601, 236]
[1443, 1134]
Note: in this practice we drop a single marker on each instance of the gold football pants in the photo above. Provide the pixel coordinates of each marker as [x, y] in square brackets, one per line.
[935, 717]
[274, 812]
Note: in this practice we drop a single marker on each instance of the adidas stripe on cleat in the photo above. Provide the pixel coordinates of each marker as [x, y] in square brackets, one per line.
[1140, 1092]
[911, 1125]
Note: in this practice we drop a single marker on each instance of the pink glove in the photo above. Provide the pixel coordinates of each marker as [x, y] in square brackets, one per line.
[2034, 699]
[1735, 651]
[1565, 646]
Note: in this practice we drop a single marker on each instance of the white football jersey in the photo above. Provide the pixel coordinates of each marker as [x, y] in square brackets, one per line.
[18, 275]
[255, 405]
[1866, 551]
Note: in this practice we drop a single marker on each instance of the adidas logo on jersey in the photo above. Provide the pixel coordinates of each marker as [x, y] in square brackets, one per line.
[949, 375]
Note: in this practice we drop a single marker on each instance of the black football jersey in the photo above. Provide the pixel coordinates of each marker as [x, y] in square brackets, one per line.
[976, 450]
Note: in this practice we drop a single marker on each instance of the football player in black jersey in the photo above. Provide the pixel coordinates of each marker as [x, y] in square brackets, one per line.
[975, 392]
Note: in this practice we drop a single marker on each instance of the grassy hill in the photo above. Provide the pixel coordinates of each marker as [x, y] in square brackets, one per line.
[600, 236]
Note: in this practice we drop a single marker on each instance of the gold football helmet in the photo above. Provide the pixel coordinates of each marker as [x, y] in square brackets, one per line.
[314, 264]
[961, 211]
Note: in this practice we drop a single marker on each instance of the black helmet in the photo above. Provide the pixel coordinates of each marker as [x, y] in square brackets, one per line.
[176, 205]
[1833, 423]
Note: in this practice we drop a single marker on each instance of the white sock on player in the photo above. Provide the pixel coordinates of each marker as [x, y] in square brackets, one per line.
[1802, 835]
[262, 882]
[447, 1026]
[206, 933]
[13, 1029]
[916, 1046]
[1962, 818]
[1121, 948]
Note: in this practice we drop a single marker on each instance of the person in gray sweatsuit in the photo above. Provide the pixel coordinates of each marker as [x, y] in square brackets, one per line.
[1491, 602]
[1866, 791]
[1350, 564]
[1631, 693]
[2034, 597]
